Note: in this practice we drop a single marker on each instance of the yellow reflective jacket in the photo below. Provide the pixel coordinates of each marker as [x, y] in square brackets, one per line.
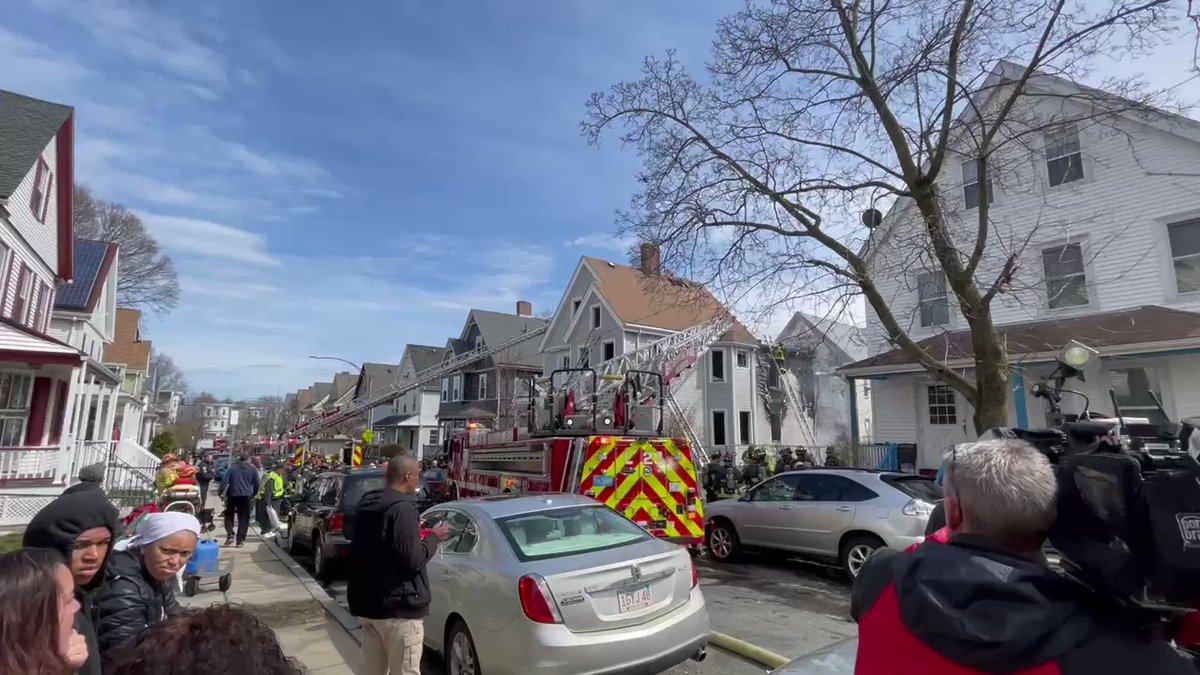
[273, 481]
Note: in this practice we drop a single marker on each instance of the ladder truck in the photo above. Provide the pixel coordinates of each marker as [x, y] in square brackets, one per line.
[599, 432]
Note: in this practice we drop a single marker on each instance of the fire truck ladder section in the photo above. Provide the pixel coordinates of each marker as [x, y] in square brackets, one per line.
[387, 395]
[795, 403]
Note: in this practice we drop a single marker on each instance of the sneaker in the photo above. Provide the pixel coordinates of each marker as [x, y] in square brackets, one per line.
[240, 544]
[229, 541]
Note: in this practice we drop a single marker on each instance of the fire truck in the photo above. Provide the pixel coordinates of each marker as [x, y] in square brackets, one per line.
[607, 444]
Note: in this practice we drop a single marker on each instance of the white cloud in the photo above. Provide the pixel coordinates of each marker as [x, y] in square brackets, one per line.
[31, 68]
[206, 238]
[604, 240]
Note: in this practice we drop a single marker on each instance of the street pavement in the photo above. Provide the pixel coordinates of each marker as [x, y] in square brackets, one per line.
[786, 606]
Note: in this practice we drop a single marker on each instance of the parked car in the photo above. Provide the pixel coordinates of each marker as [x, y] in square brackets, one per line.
[222, 466]
[322, 519]
[836, 659]
[834, 515]
[571, 586]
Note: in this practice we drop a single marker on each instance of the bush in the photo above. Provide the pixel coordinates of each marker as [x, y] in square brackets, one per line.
[164, 444]
[10, 542]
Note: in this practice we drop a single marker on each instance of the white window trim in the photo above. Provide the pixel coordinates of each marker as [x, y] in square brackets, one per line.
[1089, 276]
[456, 387]
[483, 383]
[576, 304]
[1084, 163]
[963, 185]
[1170, 282]
[724, 366]
[596, 318]
[712, 427]
[917, 306]
[566, 360]
[742, 353]
[749, 428]
[579, 362]
[605, 344]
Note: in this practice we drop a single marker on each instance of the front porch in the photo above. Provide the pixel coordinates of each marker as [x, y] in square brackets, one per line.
[1150, 349]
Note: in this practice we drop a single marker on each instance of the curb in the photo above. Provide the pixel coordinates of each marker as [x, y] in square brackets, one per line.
[747, 651]
[331, 606]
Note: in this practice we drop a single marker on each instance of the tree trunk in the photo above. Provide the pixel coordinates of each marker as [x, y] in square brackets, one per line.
[991, 373]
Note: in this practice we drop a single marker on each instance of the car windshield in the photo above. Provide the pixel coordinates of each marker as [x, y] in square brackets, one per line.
[917, 487]
[562, 532]
[357, 486]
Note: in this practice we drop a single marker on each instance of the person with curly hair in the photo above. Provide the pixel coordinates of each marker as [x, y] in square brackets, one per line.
[218, 639]
[37, 615]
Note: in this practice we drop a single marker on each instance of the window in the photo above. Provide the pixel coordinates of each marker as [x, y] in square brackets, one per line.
[574, 530]
[433, 436]
[595, 316]
[566, 361]
[718, 427]
[1064, 161]
[718, 365]
[585, 357]
[478, 341]
[610, 350]
[483, 386]
[970, 176]
[943, 409]
[39, 198]
[778, 489]
[575, 306]
[1133, 387]
[14, 407]
[830, 488]
[463, 531]
[456, 388]
[741, 359]
[931, 299]
[744, 427]
[24, 288]
[1066, 281]
[1185, 254]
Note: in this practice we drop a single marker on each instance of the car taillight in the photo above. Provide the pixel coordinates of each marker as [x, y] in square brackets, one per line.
[535, 600]
[695, 573]
[336, 521]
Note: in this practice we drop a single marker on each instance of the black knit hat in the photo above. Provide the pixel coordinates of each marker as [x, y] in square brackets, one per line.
[61, 521]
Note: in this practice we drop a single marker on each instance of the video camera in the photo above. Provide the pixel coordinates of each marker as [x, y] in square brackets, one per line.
[1129, 494]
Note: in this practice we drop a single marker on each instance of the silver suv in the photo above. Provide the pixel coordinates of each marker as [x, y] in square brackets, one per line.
[840, 515]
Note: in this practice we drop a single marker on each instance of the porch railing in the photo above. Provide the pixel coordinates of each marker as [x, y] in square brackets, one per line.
[31, 465]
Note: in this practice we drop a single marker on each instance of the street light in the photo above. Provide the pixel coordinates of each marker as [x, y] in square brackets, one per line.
[337, 358]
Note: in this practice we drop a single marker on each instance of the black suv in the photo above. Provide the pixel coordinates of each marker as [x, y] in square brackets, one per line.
[322, 519]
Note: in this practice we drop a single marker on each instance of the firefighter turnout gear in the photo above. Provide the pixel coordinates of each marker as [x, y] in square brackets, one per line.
[273, 485]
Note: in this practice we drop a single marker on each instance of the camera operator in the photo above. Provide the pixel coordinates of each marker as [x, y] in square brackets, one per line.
[986, 601]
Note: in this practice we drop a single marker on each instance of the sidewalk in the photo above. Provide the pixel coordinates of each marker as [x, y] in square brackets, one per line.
[266, 585]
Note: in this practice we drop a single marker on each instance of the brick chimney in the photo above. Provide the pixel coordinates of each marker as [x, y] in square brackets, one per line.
[524, 308]
[651, 260]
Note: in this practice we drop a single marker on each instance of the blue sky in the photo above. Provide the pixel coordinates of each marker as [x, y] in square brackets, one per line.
[341, 181]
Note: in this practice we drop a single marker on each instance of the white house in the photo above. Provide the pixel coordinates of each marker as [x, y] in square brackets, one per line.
[608, 309]
[1110, 208]
[411, 420]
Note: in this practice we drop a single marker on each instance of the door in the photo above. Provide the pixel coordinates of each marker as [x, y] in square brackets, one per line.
[452, 572]
[825, 508]
[764, 519]
[945, 421]
[303, 519]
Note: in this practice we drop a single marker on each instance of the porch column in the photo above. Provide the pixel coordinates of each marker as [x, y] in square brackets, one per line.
[101, 413]
[853, 382]
[86, 396]
[111, 417]
[66, 435]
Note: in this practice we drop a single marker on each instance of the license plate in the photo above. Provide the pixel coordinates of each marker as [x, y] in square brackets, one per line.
[631, 601]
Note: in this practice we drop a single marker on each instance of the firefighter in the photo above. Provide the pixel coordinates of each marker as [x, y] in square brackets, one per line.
[786, 461]
[714, 477]
[803, 459]
[732, 476]
[755, 462]
[780, 356]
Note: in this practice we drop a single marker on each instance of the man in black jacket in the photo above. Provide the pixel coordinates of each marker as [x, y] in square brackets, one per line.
[81, 526]
[239, 488]
[205, 473]
[388, 589]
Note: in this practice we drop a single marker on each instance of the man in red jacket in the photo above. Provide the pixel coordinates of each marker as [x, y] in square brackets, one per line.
[985, 601]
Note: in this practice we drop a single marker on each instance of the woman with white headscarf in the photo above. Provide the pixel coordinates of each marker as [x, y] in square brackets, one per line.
[138, 589]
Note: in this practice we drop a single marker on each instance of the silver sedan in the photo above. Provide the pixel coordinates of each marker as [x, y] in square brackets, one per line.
[560, 585]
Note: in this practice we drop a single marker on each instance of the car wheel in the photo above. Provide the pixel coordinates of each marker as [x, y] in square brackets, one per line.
[722, 541]
[292, 546]
[856, 551]
[461, 657]
[320, 563]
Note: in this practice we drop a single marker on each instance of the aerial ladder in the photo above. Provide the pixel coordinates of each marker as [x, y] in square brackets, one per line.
[362, 404]
[796, 404]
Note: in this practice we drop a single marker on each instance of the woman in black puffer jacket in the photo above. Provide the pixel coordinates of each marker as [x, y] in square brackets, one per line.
[138, 589]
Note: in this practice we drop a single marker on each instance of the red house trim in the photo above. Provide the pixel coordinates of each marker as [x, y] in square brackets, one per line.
[65, 159]
[40, 358]
[35, 428]
[61, 413]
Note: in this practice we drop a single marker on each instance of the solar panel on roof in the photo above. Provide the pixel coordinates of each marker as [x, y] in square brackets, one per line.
[89, 257]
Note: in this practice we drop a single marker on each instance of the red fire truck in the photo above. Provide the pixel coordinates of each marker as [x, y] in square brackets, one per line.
[609, 448]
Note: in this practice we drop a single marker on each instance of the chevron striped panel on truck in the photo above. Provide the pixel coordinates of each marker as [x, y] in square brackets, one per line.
[652, 482]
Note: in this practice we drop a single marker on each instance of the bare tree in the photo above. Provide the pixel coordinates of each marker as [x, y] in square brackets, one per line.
[146, 276]
[817, 110]
[165, 375]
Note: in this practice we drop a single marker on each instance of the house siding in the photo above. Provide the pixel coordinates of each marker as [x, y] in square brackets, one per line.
[1118, 212]
[42, 236]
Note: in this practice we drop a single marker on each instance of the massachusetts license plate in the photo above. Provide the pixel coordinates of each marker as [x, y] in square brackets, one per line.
[631, 601]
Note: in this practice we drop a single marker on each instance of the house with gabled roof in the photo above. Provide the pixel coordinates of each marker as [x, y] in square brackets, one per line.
[411, 420]
[814, 347]
[485, 392]
[608, 309]
[372, 378]
[129, 356]
[1097, 212]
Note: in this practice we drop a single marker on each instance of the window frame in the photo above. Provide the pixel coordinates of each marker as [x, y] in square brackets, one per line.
[944, 297]
[970, 186]
[15, 414]
[939, 391]
[714, 355]
[596, 317]
[39, 194]
[745, 425]
[814, 477]
[576, 303]
[566, 360]
[445, 389]
[483, 383]
[585, 357]
[1083, 272]
[456, 388]
[741, 358]
[788, 479]
[1172, 259]
[1063, 129]
[724, 427]
[608, 350]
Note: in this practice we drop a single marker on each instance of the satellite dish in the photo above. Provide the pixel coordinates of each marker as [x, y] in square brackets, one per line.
[872, 218]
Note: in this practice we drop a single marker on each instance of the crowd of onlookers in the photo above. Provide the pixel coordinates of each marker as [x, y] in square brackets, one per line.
[84, 596]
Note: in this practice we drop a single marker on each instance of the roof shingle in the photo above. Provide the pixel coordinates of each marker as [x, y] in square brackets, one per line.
[27, 125]
[127, 347]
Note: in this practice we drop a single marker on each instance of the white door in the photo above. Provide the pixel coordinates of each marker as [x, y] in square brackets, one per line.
[945, 420]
